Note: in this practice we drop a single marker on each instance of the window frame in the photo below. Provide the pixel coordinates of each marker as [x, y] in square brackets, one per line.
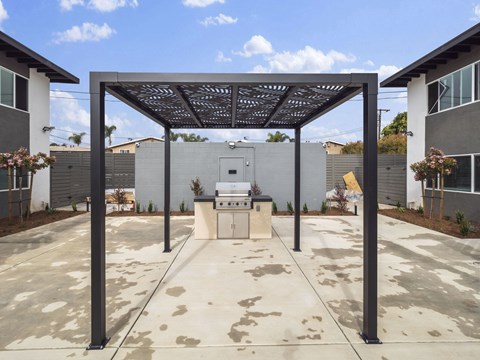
[472, 175]
[14, 183]
[15, 90]
[435, 108]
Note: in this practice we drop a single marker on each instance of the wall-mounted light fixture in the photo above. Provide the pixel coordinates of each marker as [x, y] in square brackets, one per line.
[409, 133]
[48, 128]
[231, 145]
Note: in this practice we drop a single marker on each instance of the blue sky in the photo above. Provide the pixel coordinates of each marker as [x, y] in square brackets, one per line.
[230, 36]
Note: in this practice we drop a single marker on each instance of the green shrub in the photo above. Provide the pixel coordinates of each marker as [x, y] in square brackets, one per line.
[398, 205]
[459, 216]
[51, 210]
[401, 209]
[74, 206]
[274, 207]
[150, 207]
[324, 207]
[290, 207]
[137, 207]
[465, 227]
[305, 208]
[182, 206]
[420, 210]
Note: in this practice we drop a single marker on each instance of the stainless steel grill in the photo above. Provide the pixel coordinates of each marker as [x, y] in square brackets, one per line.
[233, 195]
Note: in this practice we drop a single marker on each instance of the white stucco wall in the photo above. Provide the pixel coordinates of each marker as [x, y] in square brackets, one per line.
[417, 110]
[39, 108]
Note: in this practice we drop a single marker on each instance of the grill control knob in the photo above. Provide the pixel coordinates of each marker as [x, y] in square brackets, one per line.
[237, 204]
[221, 203]
[228, 204]
[245, 204]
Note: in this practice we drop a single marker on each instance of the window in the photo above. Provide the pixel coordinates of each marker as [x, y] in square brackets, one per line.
[124, 151]
[477, 173]
[461, 177]
[16, 183]
[454, 89]
[13, 90]
[6, 87]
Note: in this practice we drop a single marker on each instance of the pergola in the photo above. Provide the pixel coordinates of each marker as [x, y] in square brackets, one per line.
[240, 101]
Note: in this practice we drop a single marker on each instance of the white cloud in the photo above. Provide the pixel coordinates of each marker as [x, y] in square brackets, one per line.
[67, 111]
[111, 5]
[476, 13]
[307, 59]
[3, 13]
[85, 32]
[222, 58]
[322, 134]
[369, 63]
[402, 98]
[98, 5]
[384, 71]
[221, 19]
[67, 5]
[201, 3]
[255, 46]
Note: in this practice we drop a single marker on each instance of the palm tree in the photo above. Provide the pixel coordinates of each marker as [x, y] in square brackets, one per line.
[173, 136]
[192, 138]
[277, 137]
[77, 138]
[108, 133]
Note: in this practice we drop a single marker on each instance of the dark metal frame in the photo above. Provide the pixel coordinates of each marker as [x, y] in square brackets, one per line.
[342, 88]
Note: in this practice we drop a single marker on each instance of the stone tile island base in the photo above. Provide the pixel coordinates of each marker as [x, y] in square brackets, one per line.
[259, 219]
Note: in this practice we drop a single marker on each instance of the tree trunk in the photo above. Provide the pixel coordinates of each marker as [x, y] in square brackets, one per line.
[442, 183]
[30, 197]
[20, 194]
[424, 199]
[432, 198]
[10, 198]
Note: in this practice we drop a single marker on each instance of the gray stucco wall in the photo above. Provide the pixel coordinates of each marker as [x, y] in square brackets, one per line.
[14, 125]
[455, 131]
[270, 164]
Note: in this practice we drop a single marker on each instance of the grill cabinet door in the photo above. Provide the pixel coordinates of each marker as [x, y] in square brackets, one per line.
[241, 225]
[224, 225]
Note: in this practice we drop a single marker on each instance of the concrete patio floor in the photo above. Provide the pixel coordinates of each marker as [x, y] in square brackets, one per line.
[239, 299]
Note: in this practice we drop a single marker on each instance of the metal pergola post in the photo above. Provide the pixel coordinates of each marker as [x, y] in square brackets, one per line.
[166, 202]
[97, 182]
[370, 291]
[296, 232]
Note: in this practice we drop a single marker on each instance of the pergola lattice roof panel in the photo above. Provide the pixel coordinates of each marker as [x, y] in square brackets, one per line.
[277, 101]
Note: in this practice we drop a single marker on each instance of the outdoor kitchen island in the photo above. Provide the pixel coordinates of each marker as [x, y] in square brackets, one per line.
[254, 222]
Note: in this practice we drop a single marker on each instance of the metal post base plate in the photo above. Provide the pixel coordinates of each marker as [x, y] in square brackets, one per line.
[167, 250]
[368, 340]
[99, 347]
[297, 250]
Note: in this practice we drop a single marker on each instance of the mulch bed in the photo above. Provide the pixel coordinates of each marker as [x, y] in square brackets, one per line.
[445, 226]
[330, 212]
[36, 219]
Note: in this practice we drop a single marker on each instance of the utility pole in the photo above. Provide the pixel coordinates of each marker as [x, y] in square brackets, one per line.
[379, 111]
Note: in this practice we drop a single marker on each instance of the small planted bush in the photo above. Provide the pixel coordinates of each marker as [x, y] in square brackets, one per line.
[340, 198]
[196, 187]
[74, 206]
[182, 206]
[459, 216]
[305, 208]
[466, 227]
[120, 197]
[150, 207]
[274, 207]
[324, 207]
[290, 208]
[420, 210]
[256, 189]
[137, 207]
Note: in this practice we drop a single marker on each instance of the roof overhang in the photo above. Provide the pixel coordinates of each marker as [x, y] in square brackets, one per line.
[280, 101]
[30, 58]
[448, 51]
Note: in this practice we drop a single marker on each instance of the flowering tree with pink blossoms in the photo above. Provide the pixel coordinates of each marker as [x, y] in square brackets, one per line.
[22, 161]
[435, 165]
